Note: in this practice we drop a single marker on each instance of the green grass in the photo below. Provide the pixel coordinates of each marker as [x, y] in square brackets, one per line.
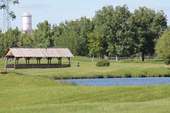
[25, 94]
[88, 69]
[33, 90]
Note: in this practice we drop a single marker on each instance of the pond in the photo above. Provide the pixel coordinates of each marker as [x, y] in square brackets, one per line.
[120, 81]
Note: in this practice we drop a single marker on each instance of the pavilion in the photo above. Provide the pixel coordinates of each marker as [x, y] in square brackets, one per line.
[38, 54]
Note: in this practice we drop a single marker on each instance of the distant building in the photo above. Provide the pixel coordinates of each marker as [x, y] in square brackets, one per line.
[27, 23]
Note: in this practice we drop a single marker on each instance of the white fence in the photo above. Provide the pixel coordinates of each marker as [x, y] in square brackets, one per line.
[116, 58]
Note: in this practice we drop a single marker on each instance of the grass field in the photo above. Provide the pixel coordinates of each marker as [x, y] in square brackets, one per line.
[88, 69]
[31, 90]
[25, 94]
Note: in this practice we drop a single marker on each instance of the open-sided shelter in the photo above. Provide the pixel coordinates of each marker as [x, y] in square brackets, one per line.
[38, 53]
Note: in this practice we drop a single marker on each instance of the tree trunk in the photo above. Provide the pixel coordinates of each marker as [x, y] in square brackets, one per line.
[143, 56]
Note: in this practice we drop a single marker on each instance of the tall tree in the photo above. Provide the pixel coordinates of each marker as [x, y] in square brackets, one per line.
[9, 15]
[25, 40]
[163, 47]
[86, 27]
[73, 35]
[148, 26]
[96, 43]
[42, 36]
[115, 29]
[9, 39]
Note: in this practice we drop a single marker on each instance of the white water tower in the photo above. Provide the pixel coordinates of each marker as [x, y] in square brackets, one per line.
[27, 23]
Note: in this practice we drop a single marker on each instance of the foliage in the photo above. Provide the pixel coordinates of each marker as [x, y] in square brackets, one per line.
[96, 43]
[113, 31]
[148, 25]
[113, 23]
[4, 6]
[163, 47]
[103, 63]
[25, 40]
[8, 40]
[118, 32]
[73, 35]
[42, 36]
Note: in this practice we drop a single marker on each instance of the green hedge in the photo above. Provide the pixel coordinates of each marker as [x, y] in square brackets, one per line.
[103, 63]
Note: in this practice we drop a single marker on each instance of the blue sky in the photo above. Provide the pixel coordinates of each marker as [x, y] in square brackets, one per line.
[56, 11]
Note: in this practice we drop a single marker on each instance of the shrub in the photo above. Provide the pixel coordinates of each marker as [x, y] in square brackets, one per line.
[163, 47]
[103, 63]
[167, 61]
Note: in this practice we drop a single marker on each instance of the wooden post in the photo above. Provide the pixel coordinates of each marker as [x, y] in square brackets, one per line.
[69, 61]
[26, 60]
[60, 61]
[37, 61]
[6, 63]
[14, 62]
[49, 60]
[17, 60]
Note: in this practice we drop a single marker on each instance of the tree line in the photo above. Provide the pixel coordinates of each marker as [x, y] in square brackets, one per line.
[113, 31]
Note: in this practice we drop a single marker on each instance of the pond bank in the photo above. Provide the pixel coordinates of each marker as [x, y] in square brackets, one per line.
[107, 76]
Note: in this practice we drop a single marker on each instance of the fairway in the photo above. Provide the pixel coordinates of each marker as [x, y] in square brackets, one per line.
[88, 69]
[36, 91]
[22, 94]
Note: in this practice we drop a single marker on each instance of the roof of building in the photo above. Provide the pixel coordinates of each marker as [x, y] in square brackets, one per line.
[39, 52]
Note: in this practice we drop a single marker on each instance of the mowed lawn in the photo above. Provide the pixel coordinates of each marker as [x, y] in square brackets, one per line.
[25, 94]
[88, 69]
[34, 90]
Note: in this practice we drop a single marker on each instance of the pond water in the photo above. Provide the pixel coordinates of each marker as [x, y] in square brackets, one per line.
[120, 81]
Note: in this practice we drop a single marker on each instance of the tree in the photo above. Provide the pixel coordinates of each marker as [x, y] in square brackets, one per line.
[64, 36]
[25, 40]
[116, 33]
[42, 36]
[86, 27]
[8, 13]
[113, 31]
[67, 40]
[73, 35]
[148, 25]
[96, 43]
[1, 44]
[4, 5]
[9, 39]
[163, 47]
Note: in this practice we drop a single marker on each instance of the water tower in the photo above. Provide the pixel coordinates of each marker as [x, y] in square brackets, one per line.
[27, 23]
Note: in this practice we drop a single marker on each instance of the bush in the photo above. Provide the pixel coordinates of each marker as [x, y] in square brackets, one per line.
[163, 47]
[103, 63]
[167, 61]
